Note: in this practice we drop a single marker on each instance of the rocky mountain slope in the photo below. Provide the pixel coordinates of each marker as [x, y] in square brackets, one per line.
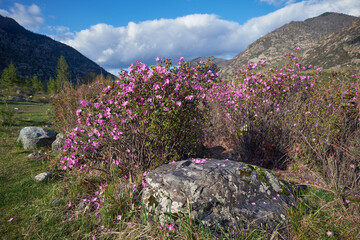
[340, 49]
[305, 34]
[35, 54]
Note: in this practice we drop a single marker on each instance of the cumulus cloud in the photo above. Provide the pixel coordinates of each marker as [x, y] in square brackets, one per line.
[192, 35]
[27, 16]
[59, 33]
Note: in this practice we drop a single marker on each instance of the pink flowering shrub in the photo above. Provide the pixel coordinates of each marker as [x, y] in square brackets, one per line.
[274, 116]
[148, 117]
[257, 109]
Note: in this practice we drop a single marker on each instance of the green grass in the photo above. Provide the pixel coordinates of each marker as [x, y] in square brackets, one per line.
[20, 196]
[29, 203]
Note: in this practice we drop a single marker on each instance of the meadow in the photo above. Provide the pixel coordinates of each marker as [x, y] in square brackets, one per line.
[300, 122]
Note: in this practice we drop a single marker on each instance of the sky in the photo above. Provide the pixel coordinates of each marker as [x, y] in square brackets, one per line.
[116, 33]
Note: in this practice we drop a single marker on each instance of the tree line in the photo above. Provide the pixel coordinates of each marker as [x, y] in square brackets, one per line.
[10, 79]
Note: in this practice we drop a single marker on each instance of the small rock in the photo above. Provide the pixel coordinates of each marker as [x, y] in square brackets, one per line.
[43, 176]
[36, 156]
[55, 202]
[57, 145]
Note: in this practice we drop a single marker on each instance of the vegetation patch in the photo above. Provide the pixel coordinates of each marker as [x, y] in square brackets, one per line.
[296, 119]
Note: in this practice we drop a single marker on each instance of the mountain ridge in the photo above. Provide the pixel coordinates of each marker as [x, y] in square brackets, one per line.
[36, 54]
[305, 34]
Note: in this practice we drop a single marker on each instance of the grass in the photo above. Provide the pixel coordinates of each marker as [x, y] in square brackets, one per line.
[35, 216]
[21, 196]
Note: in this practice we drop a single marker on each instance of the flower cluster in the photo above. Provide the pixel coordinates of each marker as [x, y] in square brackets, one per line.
[151, 115]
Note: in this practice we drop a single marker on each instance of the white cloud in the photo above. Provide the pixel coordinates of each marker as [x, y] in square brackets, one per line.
[192, 35]
[273, 2]
[27, 16]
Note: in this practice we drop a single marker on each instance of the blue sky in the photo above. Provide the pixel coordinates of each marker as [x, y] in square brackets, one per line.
[117, 33]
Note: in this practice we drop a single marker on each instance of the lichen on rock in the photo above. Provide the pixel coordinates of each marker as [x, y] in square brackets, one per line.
[218, 192]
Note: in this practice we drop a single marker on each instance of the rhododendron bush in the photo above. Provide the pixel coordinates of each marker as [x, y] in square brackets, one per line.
[260, 108]
[147, 117]
[277, 115]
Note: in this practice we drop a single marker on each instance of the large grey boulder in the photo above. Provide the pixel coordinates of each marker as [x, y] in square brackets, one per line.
[34, 137]
[58, 144]
[219, 193]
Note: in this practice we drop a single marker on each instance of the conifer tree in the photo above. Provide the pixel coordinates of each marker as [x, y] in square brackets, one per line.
[52, 86]
[63, 74]
[9, 77]
[36, 84]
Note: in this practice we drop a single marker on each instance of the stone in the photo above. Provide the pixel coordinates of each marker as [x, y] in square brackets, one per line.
[43, 176]
[57, 145]
[36, 156]
[34, 137]
[219, 193]
[17, 99]
[55, 202]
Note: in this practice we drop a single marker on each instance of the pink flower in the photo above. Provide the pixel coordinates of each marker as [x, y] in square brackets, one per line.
[158, 59]
[329, 233]
[199, 161]
[352, 166]
[118, 217]
[178, 103]
[253, 203]
[78, 112]
[127, 150]
[10, 219]
[189, 97]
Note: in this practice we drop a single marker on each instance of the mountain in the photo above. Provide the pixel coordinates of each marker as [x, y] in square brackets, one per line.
[339, 49]
[305, 34]
[35, 54]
